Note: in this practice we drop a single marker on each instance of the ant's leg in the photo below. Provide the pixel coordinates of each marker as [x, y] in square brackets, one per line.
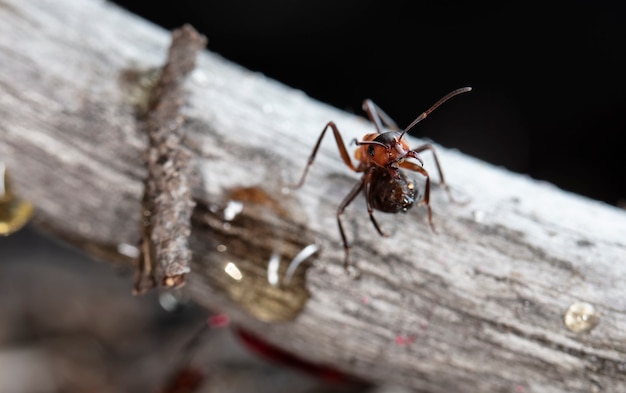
[342, 206]
[442, 181]
[375, 114]
[340, 145]
[370, 209]
[426, 200]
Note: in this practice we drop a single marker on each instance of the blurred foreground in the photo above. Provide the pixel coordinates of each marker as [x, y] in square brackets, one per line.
[69, 324]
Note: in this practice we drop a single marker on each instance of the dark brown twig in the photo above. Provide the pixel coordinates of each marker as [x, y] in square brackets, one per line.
[167, 203]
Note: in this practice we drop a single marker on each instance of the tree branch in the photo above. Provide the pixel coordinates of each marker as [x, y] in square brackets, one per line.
[480, 306]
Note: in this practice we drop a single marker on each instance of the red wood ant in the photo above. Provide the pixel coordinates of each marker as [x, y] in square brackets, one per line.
[380, 156]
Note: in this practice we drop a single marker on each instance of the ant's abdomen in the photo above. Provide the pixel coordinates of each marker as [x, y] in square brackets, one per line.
[391, 195]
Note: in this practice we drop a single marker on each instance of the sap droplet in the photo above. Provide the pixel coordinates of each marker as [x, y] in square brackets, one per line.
[262, 256]
[272, 269]
[302, 256]
[233, 271]
[14, 212]
[232, 209]
[128, 250]
[581, 317]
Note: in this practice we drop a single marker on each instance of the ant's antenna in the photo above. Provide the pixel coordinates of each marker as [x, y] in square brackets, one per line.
[435, 106]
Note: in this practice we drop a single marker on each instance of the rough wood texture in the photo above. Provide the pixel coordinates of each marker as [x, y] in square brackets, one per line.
[477, 307]
[165, 257]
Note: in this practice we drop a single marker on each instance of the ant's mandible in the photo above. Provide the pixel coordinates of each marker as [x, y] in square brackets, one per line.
[380, 157]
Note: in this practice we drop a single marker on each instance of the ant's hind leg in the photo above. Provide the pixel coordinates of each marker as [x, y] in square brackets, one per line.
[442, 180]
[373, 219]
[342, 206]
[370, 209]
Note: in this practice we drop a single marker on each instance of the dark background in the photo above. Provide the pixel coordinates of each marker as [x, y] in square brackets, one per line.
[548, 78]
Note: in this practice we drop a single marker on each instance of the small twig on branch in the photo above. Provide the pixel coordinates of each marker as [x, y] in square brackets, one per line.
[167, 203]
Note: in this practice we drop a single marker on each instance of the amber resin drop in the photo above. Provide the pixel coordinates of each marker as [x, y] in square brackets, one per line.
[14, 212]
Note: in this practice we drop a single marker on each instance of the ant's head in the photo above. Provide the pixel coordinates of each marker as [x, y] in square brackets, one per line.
[387, 149]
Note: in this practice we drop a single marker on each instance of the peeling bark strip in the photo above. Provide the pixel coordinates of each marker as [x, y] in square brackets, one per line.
[167, 203]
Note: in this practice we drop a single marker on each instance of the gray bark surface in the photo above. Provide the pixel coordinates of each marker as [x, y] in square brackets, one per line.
[478, 306]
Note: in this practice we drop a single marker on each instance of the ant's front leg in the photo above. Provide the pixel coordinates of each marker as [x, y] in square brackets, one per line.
[426, 200]
[340, 145]
[442, 180]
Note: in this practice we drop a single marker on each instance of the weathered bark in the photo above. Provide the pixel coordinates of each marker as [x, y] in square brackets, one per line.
[164, 256]
[479, 306]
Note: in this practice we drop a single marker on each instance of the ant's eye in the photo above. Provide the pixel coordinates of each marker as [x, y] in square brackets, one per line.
[370, 150]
